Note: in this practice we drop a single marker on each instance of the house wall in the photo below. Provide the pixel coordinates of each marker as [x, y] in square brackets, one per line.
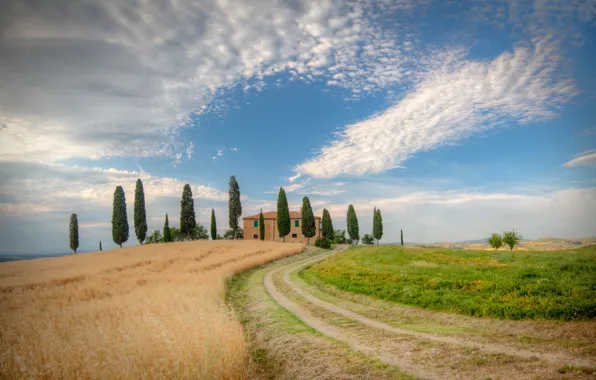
[271, 233]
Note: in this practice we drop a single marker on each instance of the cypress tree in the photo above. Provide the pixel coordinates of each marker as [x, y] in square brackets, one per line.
[119, 218]
[140, 215]
[167, 233]
[74, 233]
[283, 214]
[261, 225]
[187, 212]
[100, 249]
[353, 230]
[327, 228]
[377, 225]
[308, 220]
[402, 238]
[234, 206]
[213, 225]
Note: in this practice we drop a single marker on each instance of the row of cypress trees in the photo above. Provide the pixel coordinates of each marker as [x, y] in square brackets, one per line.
[120, 228]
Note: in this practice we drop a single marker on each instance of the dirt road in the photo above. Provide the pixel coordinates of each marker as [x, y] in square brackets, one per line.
[420, 354]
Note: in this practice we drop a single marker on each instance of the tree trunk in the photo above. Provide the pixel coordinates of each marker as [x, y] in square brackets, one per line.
[120, 245]
[307, 240]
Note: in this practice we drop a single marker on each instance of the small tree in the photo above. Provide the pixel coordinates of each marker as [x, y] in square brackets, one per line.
[327, 228]
[368, 239]
[199, 233]
[100, 249]
[234, 206]
[511, 238]
[353, 230]
[156, 237]
[283, 214]
[139, 211]
[119, 218]
[402, 238]
[495, 241]
[213, 225]
[308, 220]
[187, 212]
[74, 233]
[167, 233]
[377, 225]
[261, 225]
[339, 237]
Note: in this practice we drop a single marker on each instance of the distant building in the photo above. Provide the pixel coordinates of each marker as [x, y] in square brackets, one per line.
[251, 228]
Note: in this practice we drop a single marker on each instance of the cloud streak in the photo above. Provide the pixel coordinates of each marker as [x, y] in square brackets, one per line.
[587, 158]
[458, 99]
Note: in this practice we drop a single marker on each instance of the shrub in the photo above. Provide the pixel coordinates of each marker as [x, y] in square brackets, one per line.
[323, 243]
[368, 239]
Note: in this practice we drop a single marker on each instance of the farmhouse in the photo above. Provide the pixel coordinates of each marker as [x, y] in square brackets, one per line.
[251, 228]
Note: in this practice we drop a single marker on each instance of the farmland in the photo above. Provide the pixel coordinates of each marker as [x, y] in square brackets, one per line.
[149, 311]
[504, 284]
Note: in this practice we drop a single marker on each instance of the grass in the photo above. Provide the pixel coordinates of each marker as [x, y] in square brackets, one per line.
[281, 346]
[155, 311]
[556, 285]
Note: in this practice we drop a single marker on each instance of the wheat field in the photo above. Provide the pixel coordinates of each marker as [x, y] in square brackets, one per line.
[142, 312]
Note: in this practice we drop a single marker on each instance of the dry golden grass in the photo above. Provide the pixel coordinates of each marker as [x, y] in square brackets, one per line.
[151, 311]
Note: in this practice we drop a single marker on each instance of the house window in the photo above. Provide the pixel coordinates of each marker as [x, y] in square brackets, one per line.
[297, 223]
[294, 235]
[256, 223]
[255, 236]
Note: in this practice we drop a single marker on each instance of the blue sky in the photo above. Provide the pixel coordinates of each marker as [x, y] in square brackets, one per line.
[456, 119]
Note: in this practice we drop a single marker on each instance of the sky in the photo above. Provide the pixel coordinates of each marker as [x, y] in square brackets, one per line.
[455, 118]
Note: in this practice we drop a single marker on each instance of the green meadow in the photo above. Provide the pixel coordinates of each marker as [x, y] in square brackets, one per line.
[557, 285]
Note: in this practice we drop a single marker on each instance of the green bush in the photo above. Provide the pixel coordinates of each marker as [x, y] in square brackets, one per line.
[323, 243]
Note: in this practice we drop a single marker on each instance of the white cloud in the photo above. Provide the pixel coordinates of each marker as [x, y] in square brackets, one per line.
[455, 100]
[294, 177]
[587, 158]
[100, 79]
[220, 152]
[54, 187]
[234, 149]
[460, 215]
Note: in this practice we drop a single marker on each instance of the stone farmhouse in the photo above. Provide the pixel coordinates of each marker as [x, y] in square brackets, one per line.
[251, 228]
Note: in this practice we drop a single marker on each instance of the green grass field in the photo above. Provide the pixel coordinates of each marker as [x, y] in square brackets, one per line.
[503, 284]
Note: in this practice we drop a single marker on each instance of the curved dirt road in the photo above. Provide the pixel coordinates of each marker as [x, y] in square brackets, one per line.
[402, 358]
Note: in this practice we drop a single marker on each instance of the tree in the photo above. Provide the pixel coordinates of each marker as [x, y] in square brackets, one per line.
[377, 225]
[353, 230]
[74, 233]
[234, 206]
[187, 212]
[368, 239]
[495, 241]
[308, 220]
[167, 233]
[229, 234]
[511, 238]
[119, 218]
[140, 215]
[327, 228]
[213, 225]
[402, 238]
[261, 225]
[100, 249]
[283, 214]
[156, 237]
[339, 237]
[199, 233]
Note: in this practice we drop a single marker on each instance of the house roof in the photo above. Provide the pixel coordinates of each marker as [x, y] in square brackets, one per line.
[273, 215]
